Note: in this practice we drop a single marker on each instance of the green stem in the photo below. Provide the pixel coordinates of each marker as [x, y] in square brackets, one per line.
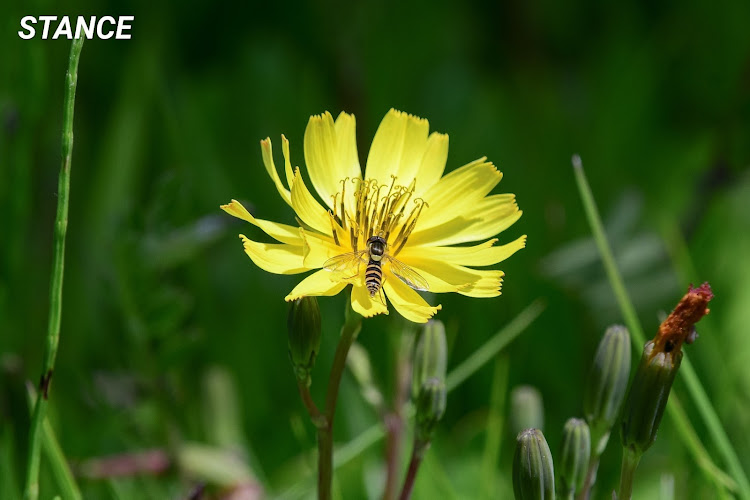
[590, 477]
[417, 455]
[318, 419]
[56, 284]
[630, 461]
[695, 389]
[349, 333]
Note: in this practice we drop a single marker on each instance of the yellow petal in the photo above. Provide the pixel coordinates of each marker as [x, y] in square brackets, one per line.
[486, 287]
[279, 232]
[433, 163]
[275, 258]
[484, 254]
[331, 153]
[318, 284]
[365, 305]
[318, 249]
[407, 302]
[307, 208]
[458, 191]
[287, 160]
[397, 149]
[266, 150]
[458, 276]
[488, 217]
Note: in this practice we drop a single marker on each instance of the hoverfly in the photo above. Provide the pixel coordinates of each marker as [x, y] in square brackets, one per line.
[347, 267]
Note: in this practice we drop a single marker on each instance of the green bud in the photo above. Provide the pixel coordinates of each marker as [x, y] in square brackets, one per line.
[607, 385]
[526, 409]
[430, 407]
[648, 396]
[430, 356]
[303, 324]
[574, 457]
[533, 470]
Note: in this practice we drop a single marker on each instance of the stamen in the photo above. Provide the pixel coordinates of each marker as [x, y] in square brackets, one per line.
[379, 210]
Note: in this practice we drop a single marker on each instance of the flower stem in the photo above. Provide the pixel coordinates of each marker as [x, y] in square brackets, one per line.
[394, 419]
[31, 490]
[590, 478]
[318, 419]
[417, 455]
[349, 333]
[630, 459]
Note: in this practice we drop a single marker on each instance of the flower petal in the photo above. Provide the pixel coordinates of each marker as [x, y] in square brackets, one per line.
[484, 254]
[458, 191]
[318, 249]
[318, 284]
[279, 232]
[287, 160]
[275, 258]
[397, 149]
[365, 305]
[458, 276]
[488, 217]
[407, 302]
[486, 287]
[308, 209]
[433, 163]
[331, 153]
[267, 152]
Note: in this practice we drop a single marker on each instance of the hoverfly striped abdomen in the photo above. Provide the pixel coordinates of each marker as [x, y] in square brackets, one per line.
[374, 271]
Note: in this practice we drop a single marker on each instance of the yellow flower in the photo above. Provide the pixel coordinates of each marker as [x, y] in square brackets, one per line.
[403, 208]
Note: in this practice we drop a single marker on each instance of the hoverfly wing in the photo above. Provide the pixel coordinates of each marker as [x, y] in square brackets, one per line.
[408, 275]
[345, 267]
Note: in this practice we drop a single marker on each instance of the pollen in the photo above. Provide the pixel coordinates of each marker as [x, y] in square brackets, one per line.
[385, 210]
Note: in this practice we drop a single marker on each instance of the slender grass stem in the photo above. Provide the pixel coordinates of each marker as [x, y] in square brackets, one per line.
[630, 461]
[695, 389]
[349, 333]
[54, 455]
[31, 490]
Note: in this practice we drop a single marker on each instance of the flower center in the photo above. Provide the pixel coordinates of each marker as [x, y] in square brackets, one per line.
[378, 210]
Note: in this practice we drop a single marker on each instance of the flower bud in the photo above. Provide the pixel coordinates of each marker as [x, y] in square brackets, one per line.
[648, 397]
[574, 457]
[607, 385]
[533, 470]
[430, 353]
[430, 407]
[526, 409]
[303, 324]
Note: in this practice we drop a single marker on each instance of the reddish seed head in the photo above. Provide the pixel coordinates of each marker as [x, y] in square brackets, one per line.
[679, 327]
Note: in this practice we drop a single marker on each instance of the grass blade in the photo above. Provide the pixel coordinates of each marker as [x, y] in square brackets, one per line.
[55, 309]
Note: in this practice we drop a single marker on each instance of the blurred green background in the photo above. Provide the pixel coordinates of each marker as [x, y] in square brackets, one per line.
[165, 319]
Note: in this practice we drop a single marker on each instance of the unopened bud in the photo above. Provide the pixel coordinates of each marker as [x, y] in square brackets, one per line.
[648, 397]
[533, 470]
[303, 324]
[607, 385]
[574, 457]
[656, 371]
[526, 409]
[430, 355]
[430, 407]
